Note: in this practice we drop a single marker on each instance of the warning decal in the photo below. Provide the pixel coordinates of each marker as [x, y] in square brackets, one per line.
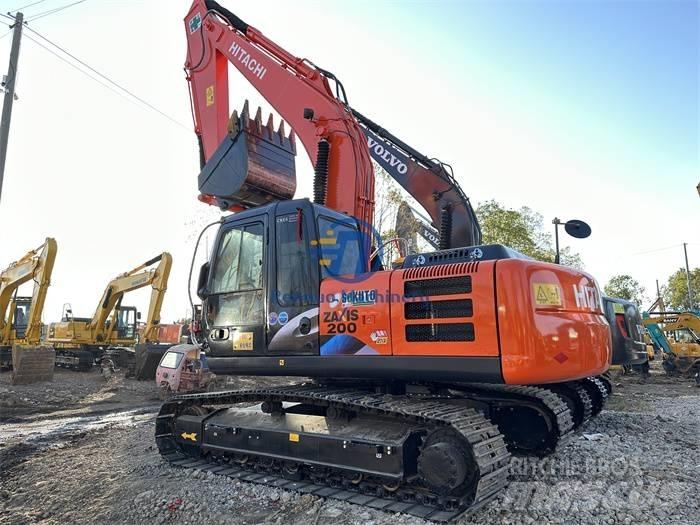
[547, 294]
[242, 340]
[210, 95]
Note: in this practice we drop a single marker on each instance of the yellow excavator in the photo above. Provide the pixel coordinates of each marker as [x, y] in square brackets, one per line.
[111, 332]
[20, 317]
[677, 335]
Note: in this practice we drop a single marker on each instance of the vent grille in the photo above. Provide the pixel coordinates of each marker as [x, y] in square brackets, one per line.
[430, 272]
[438, 309]
[440, 332]
[441, 286]
[446, 256]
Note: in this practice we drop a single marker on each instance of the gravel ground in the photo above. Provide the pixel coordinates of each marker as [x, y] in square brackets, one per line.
[637, 462]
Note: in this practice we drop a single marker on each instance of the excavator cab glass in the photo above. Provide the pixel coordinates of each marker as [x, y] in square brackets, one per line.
[126, 322]
[21, 315]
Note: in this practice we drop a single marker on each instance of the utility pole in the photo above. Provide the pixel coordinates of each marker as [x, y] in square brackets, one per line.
[687, 275]
[9, 86]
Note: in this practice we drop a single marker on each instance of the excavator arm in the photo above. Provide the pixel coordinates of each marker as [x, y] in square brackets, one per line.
[299, 92]
[37, 265]
[137, 278]
[429, 181]
[339, 140]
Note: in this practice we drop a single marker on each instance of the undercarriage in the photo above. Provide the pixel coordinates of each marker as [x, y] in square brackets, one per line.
[431, 450]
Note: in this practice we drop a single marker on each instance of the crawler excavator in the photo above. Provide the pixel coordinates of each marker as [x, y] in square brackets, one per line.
[681, 353]
[80, 342]
[424, 378]
[20, 317]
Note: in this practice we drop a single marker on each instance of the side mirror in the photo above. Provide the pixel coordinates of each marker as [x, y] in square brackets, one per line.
[138, 315]
[202, 281]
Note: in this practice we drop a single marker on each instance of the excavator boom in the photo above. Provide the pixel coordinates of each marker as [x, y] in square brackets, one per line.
[35, 265]
[79, 341]
[301, 94]
[30, 361]
[238, 172]
[127, 282]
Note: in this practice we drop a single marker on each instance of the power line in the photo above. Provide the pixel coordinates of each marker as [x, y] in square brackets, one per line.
[105, 77]
[28, 5]
[71, 64]
[98, 73]
[52, 11]
[656, 250]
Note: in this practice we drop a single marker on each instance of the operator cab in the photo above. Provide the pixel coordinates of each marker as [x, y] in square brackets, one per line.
[20, 319]
[127, 317]
[260, 291]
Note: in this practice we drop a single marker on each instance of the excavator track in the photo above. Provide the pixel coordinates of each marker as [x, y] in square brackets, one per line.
[423, 490]
[577, 398]
[533, 420]
[80, 360]
[598, 388]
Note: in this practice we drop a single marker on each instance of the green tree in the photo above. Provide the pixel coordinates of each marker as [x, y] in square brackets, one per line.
[676, 290]
[625, 287]
[522, 230]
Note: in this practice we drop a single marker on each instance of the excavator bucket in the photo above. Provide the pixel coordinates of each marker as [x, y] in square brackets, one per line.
[253, 165]
[32, 364]
[148, 356]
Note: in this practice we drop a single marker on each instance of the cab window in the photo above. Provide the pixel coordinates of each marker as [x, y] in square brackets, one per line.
[341, 252]
[237, 280]
[171, 360]
[294, 285]
[238, 264]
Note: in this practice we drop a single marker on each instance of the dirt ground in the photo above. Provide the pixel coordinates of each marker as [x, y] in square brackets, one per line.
[81, 450]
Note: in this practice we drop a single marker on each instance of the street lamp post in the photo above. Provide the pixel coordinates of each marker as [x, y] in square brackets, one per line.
[574, 227]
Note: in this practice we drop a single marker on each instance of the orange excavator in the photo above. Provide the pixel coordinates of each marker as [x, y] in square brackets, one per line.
[421, 380]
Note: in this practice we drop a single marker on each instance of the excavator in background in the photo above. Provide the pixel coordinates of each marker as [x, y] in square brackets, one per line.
[425, 378]
[20, 317]
[111, 332]
[629, 350]
[681, 352]
[410, 223]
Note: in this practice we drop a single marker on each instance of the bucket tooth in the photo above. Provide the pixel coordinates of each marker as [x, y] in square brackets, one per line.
[270, 126]
[280, 132]
[258, 120]
[233, 123]
[292, 142]
[245, 114]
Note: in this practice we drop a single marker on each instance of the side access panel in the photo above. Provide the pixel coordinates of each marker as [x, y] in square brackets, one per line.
[355, 315]
[551, 323]
[445, 310]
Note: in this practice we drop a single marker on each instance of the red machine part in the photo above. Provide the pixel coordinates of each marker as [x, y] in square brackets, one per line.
[291, 85]
[542, 320]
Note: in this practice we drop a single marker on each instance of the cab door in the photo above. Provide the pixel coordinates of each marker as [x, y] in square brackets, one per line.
[236, 288]
[292, 321]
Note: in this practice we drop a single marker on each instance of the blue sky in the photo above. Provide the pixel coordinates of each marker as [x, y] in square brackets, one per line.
[583, 110]
[630, 66]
